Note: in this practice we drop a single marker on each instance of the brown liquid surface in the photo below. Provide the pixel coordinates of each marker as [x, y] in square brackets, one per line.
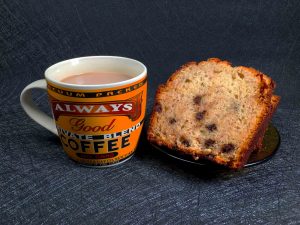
[93, 78]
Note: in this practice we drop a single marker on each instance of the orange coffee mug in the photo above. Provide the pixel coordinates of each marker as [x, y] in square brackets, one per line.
[98, 125]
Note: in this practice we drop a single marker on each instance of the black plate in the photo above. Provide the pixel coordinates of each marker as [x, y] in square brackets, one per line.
[271, 143]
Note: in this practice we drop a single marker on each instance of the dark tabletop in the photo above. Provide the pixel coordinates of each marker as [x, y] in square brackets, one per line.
[40, 185]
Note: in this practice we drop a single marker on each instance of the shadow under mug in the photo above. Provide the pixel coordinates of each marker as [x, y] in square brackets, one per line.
[98, 125]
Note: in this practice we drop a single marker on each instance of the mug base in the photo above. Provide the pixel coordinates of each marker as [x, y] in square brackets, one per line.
[103, 166]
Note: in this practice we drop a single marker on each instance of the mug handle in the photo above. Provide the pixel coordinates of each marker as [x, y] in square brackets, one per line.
[32, 110]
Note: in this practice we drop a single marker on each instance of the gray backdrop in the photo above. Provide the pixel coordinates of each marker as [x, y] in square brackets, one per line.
[40, 185]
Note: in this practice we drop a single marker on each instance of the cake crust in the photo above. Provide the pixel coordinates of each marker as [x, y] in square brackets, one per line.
[254, 137]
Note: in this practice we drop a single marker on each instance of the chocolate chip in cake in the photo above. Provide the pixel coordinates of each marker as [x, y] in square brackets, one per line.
[227, 147]
[241, 75]
[211, 127]
[172, 121]
[200, 115]
[158, 107]
[209, 143]
[197, 99]
[185, 142]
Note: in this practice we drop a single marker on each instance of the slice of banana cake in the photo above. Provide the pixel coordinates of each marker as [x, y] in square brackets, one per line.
[213, 110]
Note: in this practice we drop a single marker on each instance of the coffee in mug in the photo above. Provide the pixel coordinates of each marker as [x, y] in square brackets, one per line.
[96, 78]
[98, 105]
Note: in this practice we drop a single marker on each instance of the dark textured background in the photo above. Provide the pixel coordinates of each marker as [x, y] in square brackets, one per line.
[40, 185]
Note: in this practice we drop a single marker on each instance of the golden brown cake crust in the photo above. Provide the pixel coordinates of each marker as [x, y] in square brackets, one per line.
[256, 142]
[254, 137]
[275, 102]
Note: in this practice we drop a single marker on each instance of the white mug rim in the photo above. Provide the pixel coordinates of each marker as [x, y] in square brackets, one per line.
[94, 86]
